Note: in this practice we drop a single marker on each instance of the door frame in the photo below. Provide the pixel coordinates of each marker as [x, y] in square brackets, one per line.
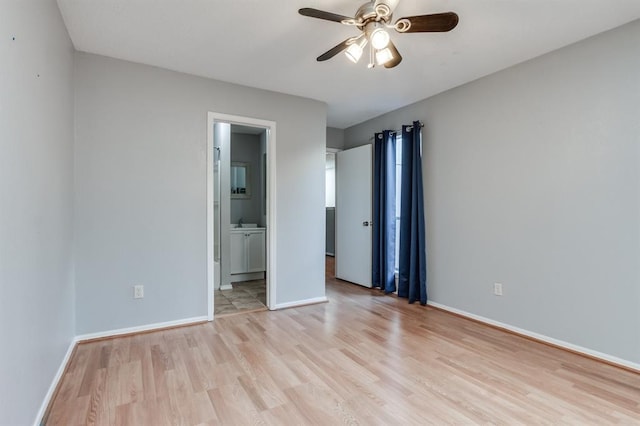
[270, 127]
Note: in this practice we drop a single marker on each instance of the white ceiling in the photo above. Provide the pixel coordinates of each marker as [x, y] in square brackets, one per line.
[268, 45]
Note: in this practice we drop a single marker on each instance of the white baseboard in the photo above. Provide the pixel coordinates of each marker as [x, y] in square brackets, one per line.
[226, 287]
[54, 383]
[555, 342]
[297, 303]
[140, 328]
[249, 276]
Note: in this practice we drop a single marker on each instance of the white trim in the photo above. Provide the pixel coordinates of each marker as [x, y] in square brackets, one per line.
[270, 127]
[566, 345]
[304, 302]
[271, 217]
[210, 269]
[247, 276]
[138, 329]
[54, 383]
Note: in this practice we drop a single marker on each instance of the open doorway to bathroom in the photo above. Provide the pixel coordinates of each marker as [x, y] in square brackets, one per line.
[241, 226]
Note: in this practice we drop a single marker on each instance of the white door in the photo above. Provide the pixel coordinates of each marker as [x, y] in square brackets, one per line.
[353, 215]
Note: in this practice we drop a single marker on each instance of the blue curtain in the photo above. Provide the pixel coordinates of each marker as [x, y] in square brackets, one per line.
[384, 211]
[412, 268]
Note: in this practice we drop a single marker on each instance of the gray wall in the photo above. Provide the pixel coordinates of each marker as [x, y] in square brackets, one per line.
[246, 148]
[36, 203]
[532, 180]
[335, 138]
[141, 190]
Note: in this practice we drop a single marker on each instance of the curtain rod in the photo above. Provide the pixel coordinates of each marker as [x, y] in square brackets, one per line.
[398, 131]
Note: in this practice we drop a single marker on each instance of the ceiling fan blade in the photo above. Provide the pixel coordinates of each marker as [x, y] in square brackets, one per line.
[434, 23]
[320, 14]
[334, 51]
[397, 57]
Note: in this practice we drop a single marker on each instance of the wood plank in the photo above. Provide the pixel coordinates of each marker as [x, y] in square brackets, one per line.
[363, 358]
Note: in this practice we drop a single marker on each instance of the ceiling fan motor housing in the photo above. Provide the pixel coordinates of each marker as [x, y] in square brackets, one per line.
[369, 12]
[385, 8]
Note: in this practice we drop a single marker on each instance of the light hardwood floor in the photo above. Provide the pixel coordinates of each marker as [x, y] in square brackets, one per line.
[363, 358]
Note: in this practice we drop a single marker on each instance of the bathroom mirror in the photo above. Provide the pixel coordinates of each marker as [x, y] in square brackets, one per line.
[240, 178]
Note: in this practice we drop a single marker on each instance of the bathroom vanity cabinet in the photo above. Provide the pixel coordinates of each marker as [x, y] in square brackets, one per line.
[247, 250]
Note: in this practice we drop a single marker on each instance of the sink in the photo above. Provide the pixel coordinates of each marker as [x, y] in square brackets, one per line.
[245, 225]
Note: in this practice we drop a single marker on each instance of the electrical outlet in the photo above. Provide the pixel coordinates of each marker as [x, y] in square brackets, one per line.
[497, 289]
[138, 291]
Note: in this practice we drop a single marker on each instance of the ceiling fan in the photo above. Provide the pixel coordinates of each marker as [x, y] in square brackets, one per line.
[373, 20]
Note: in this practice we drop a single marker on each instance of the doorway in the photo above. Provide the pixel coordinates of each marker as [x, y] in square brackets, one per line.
[330, 202]
[241, 247]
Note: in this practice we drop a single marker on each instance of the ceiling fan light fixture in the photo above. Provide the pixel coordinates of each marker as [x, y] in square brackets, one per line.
[355, 49]
[383, 56]
[379, 38]
[373, 20]
[354, 53]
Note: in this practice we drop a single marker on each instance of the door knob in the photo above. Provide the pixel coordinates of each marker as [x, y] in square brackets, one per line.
[366, 223]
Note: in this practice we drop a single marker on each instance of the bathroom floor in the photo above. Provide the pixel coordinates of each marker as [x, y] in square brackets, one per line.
[245, 296]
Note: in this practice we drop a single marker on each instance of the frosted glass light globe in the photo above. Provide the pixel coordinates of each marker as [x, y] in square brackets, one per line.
[379, 38]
